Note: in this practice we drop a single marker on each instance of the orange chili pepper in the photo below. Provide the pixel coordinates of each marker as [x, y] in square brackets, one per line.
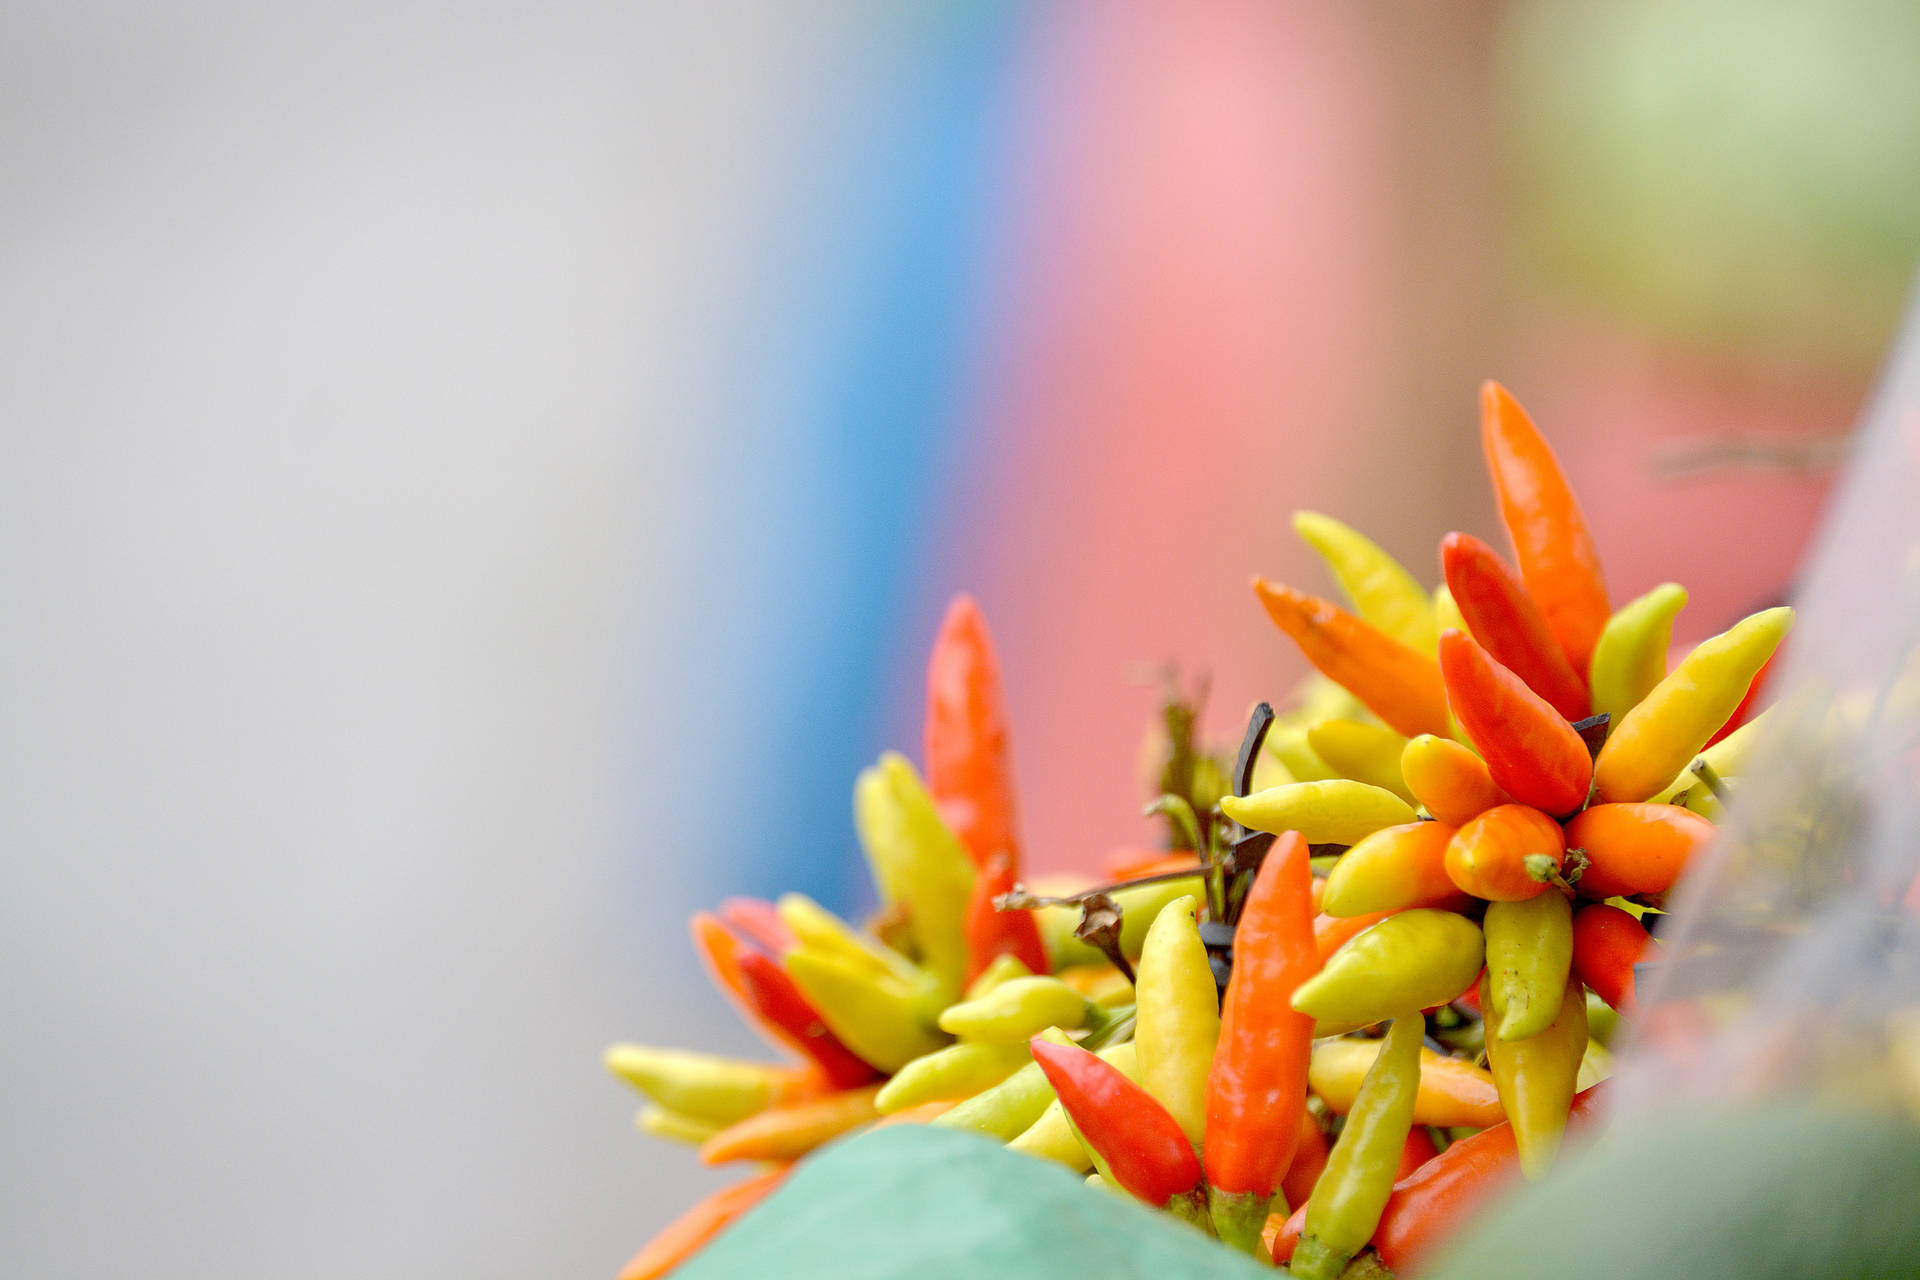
[1551, 542]
[1488, 857]
[1531, 751]
[1309, 1159]
[991, 932]
[1502, 616]
[1398, 684]
[1330, 933]
[1636, 848]
[1131, 864]
[687, 1234]
[1394, 868]
[1451, 781]
[1453, 1092]
[969, 762]
[790, 1131]
[1418, 1150]
[1257, 1087]
[1607, 943]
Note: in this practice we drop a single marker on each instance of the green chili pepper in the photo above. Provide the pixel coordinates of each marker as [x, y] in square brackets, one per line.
[957, 1071]
[1383, 593]
[881, 1021]
[1006, 1110]
[1018, 1009]
[1446, 611]
[1051, 1137]
[1352, 1191]
[1529, 954]
[1410, 961]
[936, 877]
[1177, 1016]
[1631, 654]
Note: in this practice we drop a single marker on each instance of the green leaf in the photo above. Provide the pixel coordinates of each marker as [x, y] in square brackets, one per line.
[913, 1201]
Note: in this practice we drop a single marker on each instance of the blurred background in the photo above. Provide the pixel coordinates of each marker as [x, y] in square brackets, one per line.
[475, 485]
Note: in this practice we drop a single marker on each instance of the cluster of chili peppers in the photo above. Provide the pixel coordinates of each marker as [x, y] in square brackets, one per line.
[1370, 982]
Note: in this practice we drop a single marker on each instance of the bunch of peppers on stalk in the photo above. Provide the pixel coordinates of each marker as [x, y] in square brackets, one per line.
[1374, 974]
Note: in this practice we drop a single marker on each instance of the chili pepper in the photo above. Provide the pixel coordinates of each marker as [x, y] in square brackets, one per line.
[758, 921]
[1287, 744]
[1008, 1109]
[1607, 943]
[1551, 543]
[1346, 1204]
[670, 1126]
[1131, 864]
[1673, 722]
[1018, 1009]
[1529, 954]
[1631, 656]
[1453, 1092]
[951, 1074]
[1531, 752]
[1491, 856]
[998, 971]
[936, 876]
[820, 931]
[1309, 1161]
[1536, 1077]
[919, 1113]
[1051, 1136]
[1365, 752]
[1338, 811]
[1432, 1203]
[1755, 691]
[1410, 961]
[879, 834]
[1139, 906]
[1451, 781]
[778, 1002]
[1330, 933]
[1400, 685]
[1636, 848]
[1383, 593]
[1403, 866]
[1257, 1085]
[1177, 1016]
[1728, 757]
[1503, 618]
[688, 1233]
[1101, 983]
[969, 761]
[704, 1087]
[990, 932]
[1143, 1147]
[1419, 1147]
[790, 1131]
[1596, 1064]
[880, 1020]
[1446, 613]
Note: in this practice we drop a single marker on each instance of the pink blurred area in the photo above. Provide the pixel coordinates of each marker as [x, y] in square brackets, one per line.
[1264, 274]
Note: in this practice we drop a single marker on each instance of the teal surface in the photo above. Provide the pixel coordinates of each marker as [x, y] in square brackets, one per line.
[912, 1201]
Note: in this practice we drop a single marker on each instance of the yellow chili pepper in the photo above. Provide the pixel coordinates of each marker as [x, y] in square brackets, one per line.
[936, 876]
[1630, 657]
[1353, 1189]
[1661, 735]
[1139, 907]
[881, 1021]
[1446, 613]
[1408, 962]
[1383, 593]
[1010, 1107]
[670, 1126]
[1403, 866]
[703, 1087]
[1017, 1009]
[1537, 1078]
[788, 1132]
[822, 932]
[1338, 811]
[1365, 752]
[1051, 1137]
[955, 1072]
[1177, 1016]
[1453, 1092]
[998, 970]
[1288, 745]
[879, 833]
[1529, 954]
[1728, 757]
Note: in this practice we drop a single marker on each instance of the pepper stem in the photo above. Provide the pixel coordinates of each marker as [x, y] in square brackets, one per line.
[1239, 1218]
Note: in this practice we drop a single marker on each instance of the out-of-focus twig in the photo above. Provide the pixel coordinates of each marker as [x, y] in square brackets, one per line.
[1798, 454]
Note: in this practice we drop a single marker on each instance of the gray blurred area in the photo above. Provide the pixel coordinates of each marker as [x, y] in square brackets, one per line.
[339, 348]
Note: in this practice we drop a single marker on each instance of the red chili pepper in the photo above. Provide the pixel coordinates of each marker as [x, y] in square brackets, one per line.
[1434, 1201]
[688, 1233]
[969, 761]
[1503, 618]
[1139, 1140]
[769, 1000]
[1257, 1087]
[1398, 684]
[1607, 943]
[759, 920]
[1755, 691]
[1531, 751]
[1636, 848]
[1309, 1160]
[991, 932]
[1418, 1150]
[1551, 542]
